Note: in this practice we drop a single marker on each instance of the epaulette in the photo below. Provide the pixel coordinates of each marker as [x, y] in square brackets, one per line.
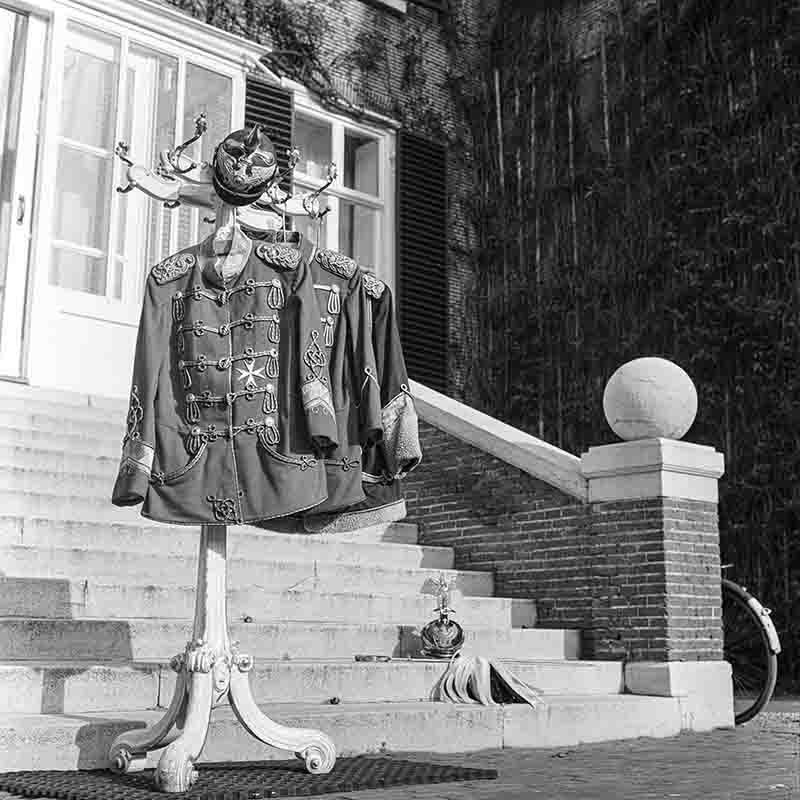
[336, 263]
[372, 284]
[173, 267]
[278, 256]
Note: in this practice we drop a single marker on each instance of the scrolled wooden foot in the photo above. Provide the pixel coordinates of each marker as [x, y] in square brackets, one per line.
[132, 746]
[175, 771]
[314, 747]
[320, 757]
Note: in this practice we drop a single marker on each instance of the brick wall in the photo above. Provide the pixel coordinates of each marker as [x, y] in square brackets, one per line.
[655, 579]
[499, 518]
[640, 578]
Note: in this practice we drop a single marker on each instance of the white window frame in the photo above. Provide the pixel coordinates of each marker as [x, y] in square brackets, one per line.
[158, 28]
[305, 106]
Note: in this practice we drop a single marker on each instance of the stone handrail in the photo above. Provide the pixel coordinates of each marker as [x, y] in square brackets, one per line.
[539, 459]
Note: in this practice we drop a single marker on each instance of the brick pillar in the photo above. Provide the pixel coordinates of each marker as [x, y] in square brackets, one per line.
[655, 573]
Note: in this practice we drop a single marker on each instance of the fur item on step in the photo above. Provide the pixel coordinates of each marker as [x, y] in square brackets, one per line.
[474, 679]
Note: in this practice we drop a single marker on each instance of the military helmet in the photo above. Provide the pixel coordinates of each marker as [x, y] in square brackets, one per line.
[244, 166]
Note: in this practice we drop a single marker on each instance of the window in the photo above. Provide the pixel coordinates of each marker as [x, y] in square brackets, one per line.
[357, 223]
[117, 89]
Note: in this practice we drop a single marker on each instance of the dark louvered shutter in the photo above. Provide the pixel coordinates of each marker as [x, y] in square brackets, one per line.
[273, 108]
[421, 251]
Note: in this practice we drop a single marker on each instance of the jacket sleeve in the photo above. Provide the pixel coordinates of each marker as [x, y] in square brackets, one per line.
[400, 443]
[138, 445]
[314, 378]
[366, 388]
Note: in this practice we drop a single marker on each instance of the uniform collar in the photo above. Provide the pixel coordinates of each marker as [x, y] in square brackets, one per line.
[223, 270]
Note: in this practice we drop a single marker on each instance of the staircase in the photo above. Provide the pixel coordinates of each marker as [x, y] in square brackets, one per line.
[95, 600]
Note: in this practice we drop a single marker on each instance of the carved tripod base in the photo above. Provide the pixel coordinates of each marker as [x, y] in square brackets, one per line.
[210, 670]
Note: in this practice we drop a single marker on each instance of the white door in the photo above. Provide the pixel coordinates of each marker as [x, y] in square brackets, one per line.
[21, 61]
[97, 243]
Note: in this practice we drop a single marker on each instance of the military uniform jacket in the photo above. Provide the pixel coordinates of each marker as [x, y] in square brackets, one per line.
[345, 314]
[230, 413]
[390, 457]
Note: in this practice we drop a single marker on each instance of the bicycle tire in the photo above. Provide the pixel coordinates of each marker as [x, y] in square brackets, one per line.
[747, 648]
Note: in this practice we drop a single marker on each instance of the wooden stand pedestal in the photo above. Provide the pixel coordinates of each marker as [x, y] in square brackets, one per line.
[209, 670]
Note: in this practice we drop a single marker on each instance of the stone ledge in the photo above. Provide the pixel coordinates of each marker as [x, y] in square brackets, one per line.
[539, 459]
[652, 468]
[704, 689]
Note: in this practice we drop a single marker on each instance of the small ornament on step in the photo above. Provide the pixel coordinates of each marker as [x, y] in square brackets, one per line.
[442, 637]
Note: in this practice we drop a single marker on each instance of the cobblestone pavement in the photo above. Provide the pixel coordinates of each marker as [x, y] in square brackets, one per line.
[757, 761]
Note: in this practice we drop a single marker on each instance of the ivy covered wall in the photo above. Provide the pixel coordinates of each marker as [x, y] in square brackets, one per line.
[637, 192]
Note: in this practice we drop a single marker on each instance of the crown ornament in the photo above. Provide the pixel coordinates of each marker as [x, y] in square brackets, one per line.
[442, 637]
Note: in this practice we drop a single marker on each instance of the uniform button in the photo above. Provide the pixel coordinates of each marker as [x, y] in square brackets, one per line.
[270, 387]
[335, 289]
[222, 298]
[224, 363]
[190, 398]
[270, 421]
[230, 397]
[224, 330]
[273, 352]
[181, 364]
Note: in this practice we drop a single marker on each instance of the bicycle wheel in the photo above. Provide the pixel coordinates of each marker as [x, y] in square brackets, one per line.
[746, 648]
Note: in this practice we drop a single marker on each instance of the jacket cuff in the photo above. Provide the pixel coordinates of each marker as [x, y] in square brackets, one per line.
[320, 415]
[133, 478]
[401, 447]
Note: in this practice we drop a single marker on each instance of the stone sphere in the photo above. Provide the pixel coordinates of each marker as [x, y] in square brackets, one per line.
[650, 398]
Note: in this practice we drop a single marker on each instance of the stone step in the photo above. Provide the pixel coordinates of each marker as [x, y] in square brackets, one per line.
[26, 639]
[111, 566]
[377, 545]
[45, 460]
[61, 484]
[55, 598]
[11, 392]
[64, 405]
[100, 426]
[55, 506]
[20, 436]
[53, 741]
[75, 688]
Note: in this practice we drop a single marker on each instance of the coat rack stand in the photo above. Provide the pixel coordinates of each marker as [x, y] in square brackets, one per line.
[210, 669]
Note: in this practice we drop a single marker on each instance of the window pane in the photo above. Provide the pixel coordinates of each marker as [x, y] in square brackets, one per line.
[314, 141]
[90, 88]
[210, 92]
[358, 227]
[150, 120]
[73, 270]
[360, 163]
[82, 199]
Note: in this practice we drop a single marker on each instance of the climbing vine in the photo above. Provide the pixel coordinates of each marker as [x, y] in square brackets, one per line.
[644, 199]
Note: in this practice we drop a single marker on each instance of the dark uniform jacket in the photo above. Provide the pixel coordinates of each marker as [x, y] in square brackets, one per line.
[231, 414]
[386, 461]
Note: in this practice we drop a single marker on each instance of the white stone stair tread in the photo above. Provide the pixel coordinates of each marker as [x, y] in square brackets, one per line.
[56, 598]
[108, 566]
[159, 640]
[393, 543]
[76, 687]
[40, 741]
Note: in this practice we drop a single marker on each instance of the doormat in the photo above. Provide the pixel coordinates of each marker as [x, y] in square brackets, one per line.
[249, 780]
